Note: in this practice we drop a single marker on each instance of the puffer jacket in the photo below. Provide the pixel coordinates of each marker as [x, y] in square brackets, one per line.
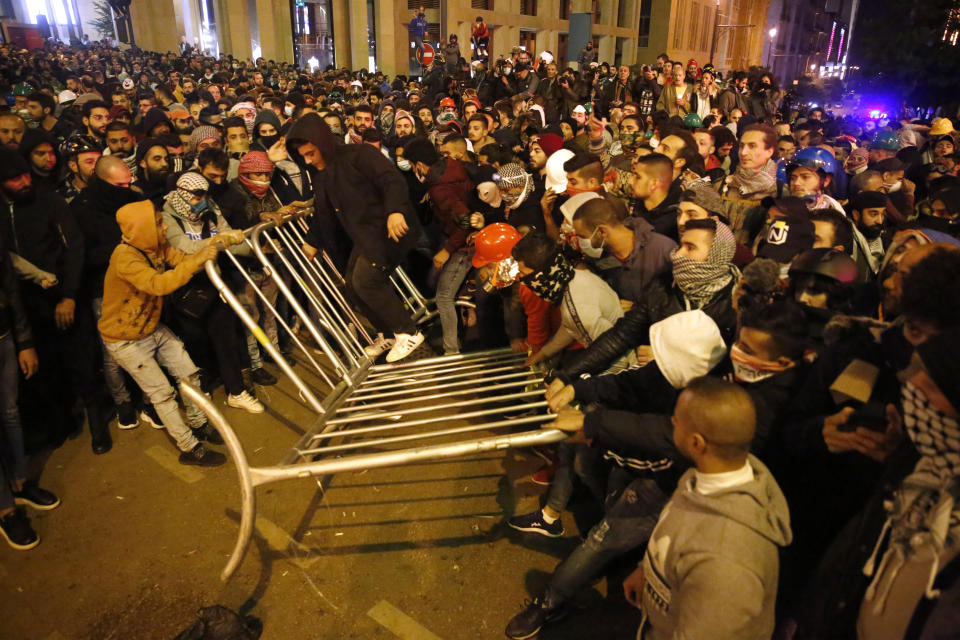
[661, 299]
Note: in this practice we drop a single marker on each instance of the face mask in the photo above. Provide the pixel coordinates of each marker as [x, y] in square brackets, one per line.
[895, 186]
[750, 369]
[200, 207]
[588, 248]
[506, 71]
[506, 272]
[404, 165]
[572, 191]
[269, 141]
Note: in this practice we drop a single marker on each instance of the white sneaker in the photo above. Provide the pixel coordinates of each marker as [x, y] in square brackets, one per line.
[145, 416]
[405, 345]
[379, 345]
[246, 402]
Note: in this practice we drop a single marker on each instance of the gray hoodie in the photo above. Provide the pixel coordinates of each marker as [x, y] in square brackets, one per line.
[711, 565]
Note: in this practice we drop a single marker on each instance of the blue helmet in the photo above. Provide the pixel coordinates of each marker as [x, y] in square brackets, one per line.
[782, 172]
[813, 158]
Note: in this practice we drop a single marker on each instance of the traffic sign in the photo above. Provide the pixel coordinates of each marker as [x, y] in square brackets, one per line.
[425, 54]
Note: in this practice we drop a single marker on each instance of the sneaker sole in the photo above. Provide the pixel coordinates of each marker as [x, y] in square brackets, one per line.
[127, 427]
[247, 409]
[526, 637]
[542, 483]
[405, 355]
[146, 418]
[542, 532]
[37, 506]
[19, 547]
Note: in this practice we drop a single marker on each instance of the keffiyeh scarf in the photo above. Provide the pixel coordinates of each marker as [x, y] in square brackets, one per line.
[699, 281]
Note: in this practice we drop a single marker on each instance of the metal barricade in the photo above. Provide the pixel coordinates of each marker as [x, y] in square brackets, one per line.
[371, 415]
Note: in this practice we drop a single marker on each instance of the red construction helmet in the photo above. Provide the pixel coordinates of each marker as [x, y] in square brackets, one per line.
[494, 243]
[448, 102]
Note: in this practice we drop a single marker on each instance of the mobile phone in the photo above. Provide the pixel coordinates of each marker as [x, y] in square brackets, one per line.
[871, 415]
[588, 107]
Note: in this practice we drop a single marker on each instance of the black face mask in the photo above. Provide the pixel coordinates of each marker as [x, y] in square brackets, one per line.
[269, 141]
[22, 196]
[217, 190]
[870, 232]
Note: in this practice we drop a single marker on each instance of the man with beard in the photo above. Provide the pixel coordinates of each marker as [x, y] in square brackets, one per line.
[95, 210]
[12, 128]
[95, 118]
[182, 122]
[153, 167]
[867, 209]
[81, 153]
[121, 143]
[38, 148]
[42, 109]
[43, 231]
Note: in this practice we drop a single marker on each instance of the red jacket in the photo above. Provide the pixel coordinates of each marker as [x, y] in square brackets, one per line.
[543, 318]
[449, 187]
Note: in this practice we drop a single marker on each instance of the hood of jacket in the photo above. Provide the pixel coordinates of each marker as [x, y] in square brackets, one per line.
[154, 116]
[309, 127]
[758, 505]
[268, 116]
[138, 226]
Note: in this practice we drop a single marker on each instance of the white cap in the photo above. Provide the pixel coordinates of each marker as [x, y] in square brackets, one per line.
[686, 345]
[579, 109]
[556, 178]
[127, 84]
[66, 96]
[356, 83]
[569, 208]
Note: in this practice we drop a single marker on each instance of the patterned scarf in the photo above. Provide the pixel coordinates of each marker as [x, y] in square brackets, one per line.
[179, 198]
[935, 436]
[551, 283]
[255, 162]
[699, 281]
[755, 182]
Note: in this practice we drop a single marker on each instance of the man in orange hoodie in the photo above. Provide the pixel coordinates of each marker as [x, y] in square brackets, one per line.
[143, 269]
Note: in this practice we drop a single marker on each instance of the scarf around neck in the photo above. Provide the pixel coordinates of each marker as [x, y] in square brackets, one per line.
[551, 283]
[699, 281]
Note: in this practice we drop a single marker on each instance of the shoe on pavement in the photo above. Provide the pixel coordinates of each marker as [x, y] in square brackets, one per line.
[545, 475]
[206, 433]
[34, 496]
[149, 415]
[16, 528]
[127, 416]
[246, 402]
[534, 523]
[101, 442]
[405, 345]
[202, 457]
[531, 619]
[380, 344]
[263, 377]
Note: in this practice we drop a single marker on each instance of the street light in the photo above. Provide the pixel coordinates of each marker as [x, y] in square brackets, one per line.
[772, 33]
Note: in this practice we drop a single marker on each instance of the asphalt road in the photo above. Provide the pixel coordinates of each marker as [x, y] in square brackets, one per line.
[418, 553]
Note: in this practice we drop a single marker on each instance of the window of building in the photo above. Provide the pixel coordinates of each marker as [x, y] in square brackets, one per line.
[565, 9]
[427, 4]
[643, 35]
[528, 7]
[312, 32]
[707, 31]
[528, 40]
[485, 5]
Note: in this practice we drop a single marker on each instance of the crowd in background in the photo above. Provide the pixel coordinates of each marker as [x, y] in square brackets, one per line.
[748, 310]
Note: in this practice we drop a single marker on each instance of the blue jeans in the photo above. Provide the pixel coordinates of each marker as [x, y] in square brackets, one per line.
[451, 279]
[576, 460]
[111, 370]
[13, 460]
[629, 520]
[142, 359]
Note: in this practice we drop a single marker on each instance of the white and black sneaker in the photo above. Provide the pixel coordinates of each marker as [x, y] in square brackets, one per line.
[246, 402]
[379, 345]
[16, 528]
[127, 416]
[405, 345]
[200, 456]
[149, 415]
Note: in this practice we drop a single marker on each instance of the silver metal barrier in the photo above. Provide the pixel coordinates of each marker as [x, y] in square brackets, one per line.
[370, 415]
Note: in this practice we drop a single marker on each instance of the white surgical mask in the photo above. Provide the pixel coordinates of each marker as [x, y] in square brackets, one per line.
[588, 248]
[403, 165]
[895, 186]
[288, 111]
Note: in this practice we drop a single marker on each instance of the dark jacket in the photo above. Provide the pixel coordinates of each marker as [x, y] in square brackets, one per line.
[661, 300]
[43, 231]
[449, 188]
[13, 317]
[358, 190]
[730, 100]
[650, 258]
[95, 210]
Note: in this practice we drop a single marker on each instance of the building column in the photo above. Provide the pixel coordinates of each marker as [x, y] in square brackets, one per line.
[359, 49]
[155, 25]
[233, 28]
[276, 35]
[342, 34]
[391, 42]
[606, 48]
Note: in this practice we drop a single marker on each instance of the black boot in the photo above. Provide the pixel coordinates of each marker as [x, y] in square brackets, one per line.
[100, 440]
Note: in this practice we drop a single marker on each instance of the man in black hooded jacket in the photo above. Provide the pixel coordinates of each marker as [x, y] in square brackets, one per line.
[359, 190]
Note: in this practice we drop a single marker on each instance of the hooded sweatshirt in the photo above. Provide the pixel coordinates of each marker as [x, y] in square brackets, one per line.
[138, 277]
[711, 566]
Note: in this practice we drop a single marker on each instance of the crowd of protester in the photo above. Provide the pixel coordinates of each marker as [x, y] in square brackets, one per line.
[747, 311]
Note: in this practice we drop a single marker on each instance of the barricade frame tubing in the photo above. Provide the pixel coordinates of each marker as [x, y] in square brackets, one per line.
[371, 415]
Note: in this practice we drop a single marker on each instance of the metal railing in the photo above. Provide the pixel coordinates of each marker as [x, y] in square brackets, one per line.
[370, 415]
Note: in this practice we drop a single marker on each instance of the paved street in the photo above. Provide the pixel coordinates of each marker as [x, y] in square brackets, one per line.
[414, 552]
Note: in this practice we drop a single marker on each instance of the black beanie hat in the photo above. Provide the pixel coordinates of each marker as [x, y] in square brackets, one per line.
[12, 164]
